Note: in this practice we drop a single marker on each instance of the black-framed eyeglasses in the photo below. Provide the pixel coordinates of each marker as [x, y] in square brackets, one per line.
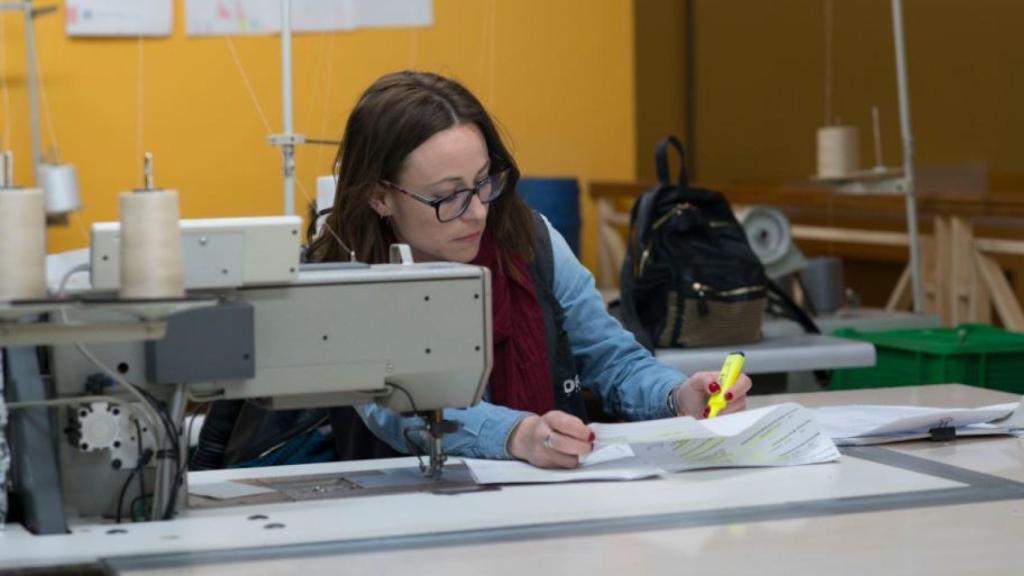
[450, 207]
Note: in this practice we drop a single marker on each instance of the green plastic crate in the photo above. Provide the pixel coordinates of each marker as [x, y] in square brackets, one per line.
[975, 354]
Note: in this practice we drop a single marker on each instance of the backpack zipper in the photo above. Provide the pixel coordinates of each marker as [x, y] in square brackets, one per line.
[703, 289]
[702, 302]
[677, 210]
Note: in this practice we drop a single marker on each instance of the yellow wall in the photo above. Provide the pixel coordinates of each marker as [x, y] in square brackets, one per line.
[660, 78]
[557, 75]
[760, 84]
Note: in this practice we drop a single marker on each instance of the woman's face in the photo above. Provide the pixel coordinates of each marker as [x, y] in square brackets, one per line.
[453, 159]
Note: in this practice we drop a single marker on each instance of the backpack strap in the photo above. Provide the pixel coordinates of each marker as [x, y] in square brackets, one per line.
[661, 161]
[640, 219]
[791, 309]
[794, 312]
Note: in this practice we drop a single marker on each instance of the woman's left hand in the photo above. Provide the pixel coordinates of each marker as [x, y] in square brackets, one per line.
[692, 396]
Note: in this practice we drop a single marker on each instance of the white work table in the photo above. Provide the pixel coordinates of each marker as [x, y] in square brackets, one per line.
[916, 508]
[781, 350]
[791, 353]
[787, 348]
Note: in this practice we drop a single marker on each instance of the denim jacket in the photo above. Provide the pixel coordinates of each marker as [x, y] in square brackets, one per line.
[629, 381]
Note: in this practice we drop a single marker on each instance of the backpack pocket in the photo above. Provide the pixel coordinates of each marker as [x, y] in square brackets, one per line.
[699, 315]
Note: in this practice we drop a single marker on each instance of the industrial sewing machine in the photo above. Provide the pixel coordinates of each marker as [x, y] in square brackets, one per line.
[256, 325]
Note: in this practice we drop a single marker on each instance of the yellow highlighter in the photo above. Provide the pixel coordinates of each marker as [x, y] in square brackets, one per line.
[731, 370]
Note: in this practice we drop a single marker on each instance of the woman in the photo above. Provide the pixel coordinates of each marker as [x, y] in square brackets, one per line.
[422, 163]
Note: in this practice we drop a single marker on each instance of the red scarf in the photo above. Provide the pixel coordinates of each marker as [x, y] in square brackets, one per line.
[521, 376]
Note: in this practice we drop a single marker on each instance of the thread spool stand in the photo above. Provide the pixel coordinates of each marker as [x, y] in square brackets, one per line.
[144, 319]
[893, 181]
[22, 238]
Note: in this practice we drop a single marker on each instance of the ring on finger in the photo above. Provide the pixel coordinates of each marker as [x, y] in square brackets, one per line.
[548, 441]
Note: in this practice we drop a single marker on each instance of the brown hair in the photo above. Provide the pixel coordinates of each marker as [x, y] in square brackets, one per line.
[393, 117]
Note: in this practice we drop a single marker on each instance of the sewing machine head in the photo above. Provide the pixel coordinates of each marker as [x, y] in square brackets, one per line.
[411, 337]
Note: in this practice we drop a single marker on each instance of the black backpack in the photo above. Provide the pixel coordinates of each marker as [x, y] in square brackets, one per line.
[689, 278]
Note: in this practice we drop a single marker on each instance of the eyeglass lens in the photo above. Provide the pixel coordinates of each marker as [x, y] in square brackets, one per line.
[458, 203]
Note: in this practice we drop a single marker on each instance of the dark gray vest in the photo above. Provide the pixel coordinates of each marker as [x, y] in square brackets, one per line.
[564, 375]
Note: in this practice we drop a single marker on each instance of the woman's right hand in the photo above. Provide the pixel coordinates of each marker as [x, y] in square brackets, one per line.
[554, 440]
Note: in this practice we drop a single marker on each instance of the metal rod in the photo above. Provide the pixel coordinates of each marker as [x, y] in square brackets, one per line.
[8, 169]
[4, 181]
[876, 128]
[33, 89]
[47, 333]
[435, 432]
[288, 149]
[147, 171]
[169, 465]
[908, 155]
[828, 63]
[690, 87]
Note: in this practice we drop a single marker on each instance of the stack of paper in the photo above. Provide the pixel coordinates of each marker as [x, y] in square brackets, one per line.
[863, 425]
[782, 435]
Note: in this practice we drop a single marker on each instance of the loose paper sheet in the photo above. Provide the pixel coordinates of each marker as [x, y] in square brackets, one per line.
[235, 17]
[119, 17]
[782, 435]
[227, 490]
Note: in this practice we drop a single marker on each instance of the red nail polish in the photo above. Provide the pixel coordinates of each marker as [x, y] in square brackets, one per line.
[706, 412]
[592, 437]
[728, 396]
[714, 387]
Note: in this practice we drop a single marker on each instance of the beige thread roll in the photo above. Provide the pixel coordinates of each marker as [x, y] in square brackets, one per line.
[60, 184]
[22, 244]
[838, 151]
[151, 264]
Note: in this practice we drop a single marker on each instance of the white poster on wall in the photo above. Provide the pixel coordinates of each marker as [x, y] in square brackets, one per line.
[119, 17]
[237, 17]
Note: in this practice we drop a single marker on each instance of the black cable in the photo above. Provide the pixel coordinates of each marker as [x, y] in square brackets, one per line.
[165, 418]
[179, 476]
[134, 505]
[137, 471]
[172, 433]
[138, 466]
[191, 421]
[414, 448]
[124, 489]
[164, 414]
[406, 392]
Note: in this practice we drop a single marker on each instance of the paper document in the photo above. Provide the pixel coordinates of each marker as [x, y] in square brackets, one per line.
[866, 424]
[119, 17]
[227, 490]
[782, 435]
[516, 472]
[235, 17]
